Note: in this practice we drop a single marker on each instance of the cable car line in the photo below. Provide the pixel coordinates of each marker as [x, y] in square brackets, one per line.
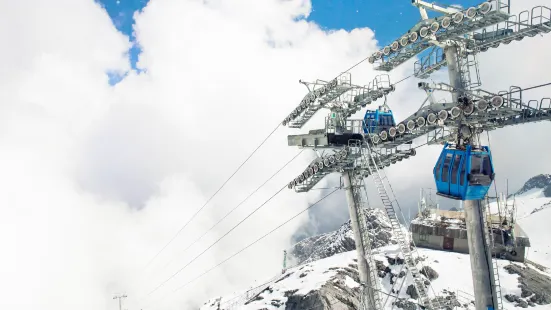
[212, 196]
[407, 77]
[528, 88]
[237, 206]
[257, 240]
[218, 240]
[227, 180]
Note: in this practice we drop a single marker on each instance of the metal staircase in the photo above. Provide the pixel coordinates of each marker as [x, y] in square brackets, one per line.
[369, 163]
[494, 273]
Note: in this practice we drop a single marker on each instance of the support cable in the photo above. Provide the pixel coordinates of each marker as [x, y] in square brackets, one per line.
[235, 208]
[218, 240]
[407, 77]
[211, 197]
[529, 88]
[256, 241]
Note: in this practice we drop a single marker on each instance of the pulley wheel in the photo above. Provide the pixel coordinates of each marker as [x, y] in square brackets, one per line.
[392, 132]
[482, 104]
[413, 37]
[383, 135]
[421, 121]
[431, 118]
[401, 128]
[404, 41]
[443, 115]
[344, 153]
[326, 162]
[484, 8]
[468, 109]
[332, 159]
[497, 101]
[424, 32]
[458, 17]
[410, 124]
[375, 139]
[446, 22]
[316, 168]
[395, 46]
[455, 112]
[386, 50]
[470, 13]
[434, 27]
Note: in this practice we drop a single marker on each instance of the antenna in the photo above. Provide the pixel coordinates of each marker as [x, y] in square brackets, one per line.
[120, 297]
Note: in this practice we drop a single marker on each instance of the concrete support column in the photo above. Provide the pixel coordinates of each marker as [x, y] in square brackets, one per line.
[451, 53]
[363, 266]
[481, 258]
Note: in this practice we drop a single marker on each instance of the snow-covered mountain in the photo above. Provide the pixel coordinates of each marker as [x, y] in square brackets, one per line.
[342, 240]
[542, 182]
[327, 275]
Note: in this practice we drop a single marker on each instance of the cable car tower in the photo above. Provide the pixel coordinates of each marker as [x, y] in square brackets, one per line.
[464, 170]
[360, 148]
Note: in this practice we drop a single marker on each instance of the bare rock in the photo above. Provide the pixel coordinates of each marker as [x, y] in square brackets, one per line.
[428, 272]
[412, 291]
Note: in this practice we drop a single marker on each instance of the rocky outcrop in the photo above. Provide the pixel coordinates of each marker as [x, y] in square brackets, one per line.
[428, 272]
[542, 181]
[342, 240]
[333, 295]
[535, 287]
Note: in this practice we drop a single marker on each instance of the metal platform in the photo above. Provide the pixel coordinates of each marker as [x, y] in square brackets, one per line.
[435, 31]
[338, 95]
[517, 27]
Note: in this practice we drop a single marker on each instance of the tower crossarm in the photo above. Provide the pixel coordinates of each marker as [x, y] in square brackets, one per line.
[339, 95]
[439, 122]
[452, 25]
[528, 23]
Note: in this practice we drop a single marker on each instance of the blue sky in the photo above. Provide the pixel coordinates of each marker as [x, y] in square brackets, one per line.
[388, 18]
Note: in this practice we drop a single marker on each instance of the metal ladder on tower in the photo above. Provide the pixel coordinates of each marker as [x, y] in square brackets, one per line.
[370, 163]
[489, 235]
[357, 185]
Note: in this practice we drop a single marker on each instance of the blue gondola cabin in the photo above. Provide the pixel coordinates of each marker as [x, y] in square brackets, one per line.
[377, 121]
[464, 174]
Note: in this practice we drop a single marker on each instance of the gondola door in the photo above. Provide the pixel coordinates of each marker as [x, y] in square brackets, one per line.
[446, 171]
[455, 174]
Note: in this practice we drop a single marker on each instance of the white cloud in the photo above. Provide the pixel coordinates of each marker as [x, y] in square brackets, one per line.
[95, 179]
